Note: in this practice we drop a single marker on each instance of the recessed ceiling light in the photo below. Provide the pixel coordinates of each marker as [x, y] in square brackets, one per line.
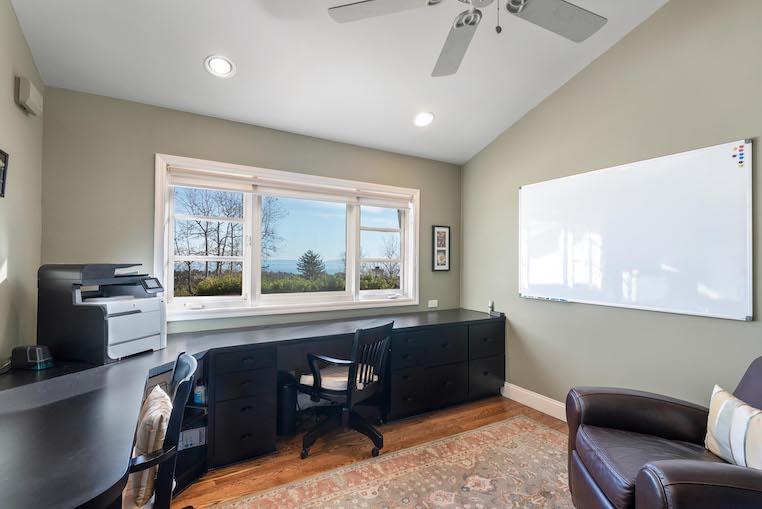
[219, 66]
[423, 119]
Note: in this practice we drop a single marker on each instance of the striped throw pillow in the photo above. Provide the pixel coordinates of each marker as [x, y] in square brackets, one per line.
[734, 430]
[152, 427]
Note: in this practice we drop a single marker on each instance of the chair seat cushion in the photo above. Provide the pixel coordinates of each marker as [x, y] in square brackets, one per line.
[614, 457]
[333, 378]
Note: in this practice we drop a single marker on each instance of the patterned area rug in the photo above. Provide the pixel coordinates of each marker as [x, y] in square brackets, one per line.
[516, 463]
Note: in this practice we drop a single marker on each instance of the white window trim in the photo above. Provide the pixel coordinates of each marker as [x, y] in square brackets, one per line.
[290, 184]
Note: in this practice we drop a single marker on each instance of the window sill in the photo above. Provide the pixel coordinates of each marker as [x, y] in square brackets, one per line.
[264, 310]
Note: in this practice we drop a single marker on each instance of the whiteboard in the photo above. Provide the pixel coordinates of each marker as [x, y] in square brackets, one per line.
[670, 234]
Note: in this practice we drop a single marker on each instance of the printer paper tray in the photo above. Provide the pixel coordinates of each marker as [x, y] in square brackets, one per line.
[133, 326]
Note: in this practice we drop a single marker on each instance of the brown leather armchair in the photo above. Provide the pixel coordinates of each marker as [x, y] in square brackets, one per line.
[638, 450]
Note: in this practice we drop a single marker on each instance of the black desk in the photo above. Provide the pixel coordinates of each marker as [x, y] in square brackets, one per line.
[66, 442]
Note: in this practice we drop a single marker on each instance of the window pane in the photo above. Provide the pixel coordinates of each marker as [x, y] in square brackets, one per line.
[304, 245]
[379, 244]
[380, 276]
[379, 217]
[208, 238]
[208, 279]
[207, 202]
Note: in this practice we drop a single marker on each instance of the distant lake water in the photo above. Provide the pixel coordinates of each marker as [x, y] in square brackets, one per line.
[331, 266]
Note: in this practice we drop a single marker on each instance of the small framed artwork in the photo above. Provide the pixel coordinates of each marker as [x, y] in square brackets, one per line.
[441, 236]
[3, 172]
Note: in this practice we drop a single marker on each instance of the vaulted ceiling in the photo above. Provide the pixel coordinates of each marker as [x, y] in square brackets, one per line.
[299, 71]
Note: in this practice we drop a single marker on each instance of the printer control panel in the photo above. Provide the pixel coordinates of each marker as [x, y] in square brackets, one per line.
[151, 285]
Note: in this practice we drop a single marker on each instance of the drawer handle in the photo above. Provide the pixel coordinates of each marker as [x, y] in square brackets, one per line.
[408, 399]
[246, 436]
[448, 383]
[246, 409]
[247, 360]
[485, 373]
[244, 383]
[487, 340]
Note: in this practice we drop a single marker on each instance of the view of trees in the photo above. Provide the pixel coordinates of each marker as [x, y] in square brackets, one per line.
[215, 229]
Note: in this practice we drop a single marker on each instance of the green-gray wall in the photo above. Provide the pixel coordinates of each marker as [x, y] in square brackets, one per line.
[688, 77]
[98, 183]
[20, 210]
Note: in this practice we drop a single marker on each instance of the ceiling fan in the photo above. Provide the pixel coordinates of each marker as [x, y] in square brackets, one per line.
[558, 16]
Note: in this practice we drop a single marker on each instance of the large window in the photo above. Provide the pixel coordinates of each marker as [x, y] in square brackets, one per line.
[234, 240]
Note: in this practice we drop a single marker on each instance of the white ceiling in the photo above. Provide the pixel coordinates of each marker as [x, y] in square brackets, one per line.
[299, 71]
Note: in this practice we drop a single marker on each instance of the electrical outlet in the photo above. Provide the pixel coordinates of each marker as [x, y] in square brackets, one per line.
[433, 303]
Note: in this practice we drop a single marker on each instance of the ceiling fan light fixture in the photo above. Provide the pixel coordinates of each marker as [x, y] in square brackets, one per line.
[219, 66]
[423, 119]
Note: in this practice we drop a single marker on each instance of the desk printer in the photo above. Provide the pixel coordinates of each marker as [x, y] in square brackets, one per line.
[98, 313]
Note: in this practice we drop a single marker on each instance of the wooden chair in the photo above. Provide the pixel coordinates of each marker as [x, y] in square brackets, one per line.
[178, 389]
[347, 383]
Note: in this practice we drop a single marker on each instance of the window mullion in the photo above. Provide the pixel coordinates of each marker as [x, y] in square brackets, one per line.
[353, 250]
[169, 284]
[256, 249]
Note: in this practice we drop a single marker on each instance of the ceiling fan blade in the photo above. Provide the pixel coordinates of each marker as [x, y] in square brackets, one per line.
[558, 16]
[372, 8]
[456, 45]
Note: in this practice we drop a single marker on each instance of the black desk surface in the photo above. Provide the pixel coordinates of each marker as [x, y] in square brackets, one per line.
[67, 440]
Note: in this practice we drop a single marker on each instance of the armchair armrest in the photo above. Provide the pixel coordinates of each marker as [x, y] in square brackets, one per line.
[637, 411]
[691, 484]
[152, 459]
[314, 362]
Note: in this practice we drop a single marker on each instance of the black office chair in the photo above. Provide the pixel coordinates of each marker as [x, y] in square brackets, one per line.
[347, 383]
[178, 389]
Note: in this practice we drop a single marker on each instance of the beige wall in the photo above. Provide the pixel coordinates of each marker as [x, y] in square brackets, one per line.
[689, 77]
[99, 182]
[20, 210]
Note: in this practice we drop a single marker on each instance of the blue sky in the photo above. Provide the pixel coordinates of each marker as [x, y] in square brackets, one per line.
[321, 226]
[308, 224]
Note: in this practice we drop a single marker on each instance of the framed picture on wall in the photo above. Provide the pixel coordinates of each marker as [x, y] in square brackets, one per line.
[441, 237]
[3, 172]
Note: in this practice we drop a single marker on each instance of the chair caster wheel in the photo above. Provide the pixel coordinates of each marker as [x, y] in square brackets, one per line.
[375, 452]
[305, 453]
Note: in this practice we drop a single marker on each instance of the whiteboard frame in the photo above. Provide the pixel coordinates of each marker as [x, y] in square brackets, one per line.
[748, 142]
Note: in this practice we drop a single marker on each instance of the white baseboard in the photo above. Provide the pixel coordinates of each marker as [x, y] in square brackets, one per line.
[533, 400]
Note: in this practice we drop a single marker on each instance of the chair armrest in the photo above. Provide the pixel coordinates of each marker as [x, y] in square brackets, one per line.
[692, 484]
[152, 459]
[637, 411]
[330, 360]
[314, 362]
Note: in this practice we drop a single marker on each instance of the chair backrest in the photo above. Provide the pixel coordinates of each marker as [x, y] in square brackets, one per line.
[369, 352]
[179, 389]
[750, 387]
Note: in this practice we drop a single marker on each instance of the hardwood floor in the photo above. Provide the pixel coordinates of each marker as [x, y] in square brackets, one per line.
[343, 448]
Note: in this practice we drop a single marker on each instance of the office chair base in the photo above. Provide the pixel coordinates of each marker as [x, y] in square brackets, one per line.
[347, 420]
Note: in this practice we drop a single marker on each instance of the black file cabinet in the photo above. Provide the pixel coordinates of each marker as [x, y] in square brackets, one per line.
[444, 366]
[243, 405]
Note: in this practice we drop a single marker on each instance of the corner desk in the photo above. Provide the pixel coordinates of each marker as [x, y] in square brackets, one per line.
[66, 441]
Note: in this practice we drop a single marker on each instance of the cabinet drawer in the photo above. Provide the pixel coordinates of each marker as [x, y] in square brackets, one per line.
[447, 346]
[237, 444]
[447, 385]
[408, 392]
[486, 340]
[486, 377]
[244, 428]
[243, 384]
[243, 360]
[408, 350]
